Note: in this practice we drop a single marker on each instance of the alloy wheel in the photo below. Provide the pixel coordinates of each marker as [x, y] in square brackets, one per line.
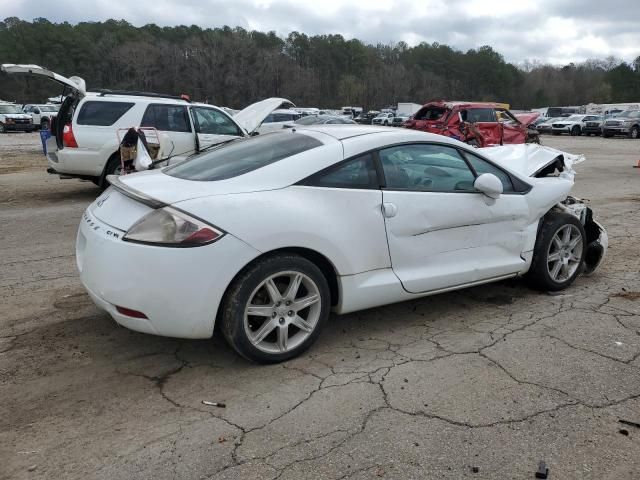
[565, 253]
[282, 312]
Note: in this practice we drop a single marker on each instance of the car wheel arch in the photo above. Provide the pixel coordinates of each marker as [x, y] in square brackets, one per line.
[325, 265]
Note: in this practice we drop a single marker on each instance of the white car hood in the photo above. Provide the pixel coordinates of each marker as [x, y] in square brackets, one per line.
[76, 83]
[529, 158]
[252, 117]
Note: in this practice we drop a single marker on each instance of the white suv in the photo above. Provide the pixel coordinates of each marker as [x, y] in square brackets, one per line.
[42, 114]
[85, 140]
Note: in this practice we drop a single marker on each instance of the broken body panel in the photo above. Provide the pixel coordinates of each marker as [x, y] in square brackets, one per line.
[478, 123]
[548, 169]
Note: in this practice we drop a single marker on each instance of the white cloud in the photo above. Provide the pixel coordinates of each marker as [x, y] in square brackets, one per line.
[545, 30]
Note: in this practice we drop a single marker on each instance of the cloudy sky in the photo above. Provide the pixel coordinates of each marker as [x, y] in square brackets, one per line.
[553, 31]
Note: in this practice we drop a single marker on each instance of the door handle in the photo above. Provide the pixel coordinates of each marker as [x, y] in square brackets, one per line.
[389, 209]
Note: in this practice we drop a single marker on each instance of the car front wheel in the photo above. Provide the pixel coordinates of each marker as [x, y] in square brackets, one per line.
[559, 252]
[276, 308]
[634, 133]
[575, 131]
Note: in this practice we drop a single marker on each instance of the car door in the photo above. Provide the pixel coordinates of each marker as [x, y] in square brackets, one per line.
[173, 121]
[440, 230]
[213, 126]
[513, 131]
[484, 121]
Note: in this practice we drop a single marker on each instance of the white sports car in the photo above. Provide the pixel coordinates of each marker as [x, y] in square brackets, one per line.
[267, 234]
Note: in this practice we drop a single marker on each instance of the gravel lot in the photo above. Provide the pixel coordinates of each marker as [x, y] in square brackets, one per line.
[494, 378]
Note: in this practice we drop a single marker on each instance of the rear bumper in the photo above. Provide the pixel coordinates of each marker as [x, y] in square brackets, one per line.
[178, 289]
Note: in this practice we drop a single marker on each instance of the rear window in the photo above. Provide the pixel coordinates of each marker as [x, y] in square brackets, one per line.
[102, 113]
[243, 156]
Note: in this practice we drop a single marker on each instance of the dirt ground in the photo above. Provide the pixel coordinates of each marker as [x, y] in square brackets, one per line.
[481, 383]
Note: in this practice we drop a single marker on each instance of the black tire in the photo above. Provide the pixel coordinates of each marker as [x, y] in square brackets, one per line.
[634, 132]
[587, 134]
[239, 293]
[606, 135]
[538, 275]
[2, 129]
[113, 164]
[575, 131]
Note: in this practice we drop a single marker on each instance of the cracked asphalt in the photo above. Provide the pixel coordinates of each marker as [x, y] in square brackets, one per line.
[492, 379]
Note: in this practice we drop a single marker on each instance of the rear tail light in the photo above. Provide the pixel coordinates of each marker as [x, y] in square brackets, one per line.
[170, 227]
[68, 140]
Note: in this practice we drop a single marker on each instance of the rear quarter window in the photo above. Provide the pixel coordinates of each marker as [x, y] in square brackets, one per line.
[243, 156]
[103, 114]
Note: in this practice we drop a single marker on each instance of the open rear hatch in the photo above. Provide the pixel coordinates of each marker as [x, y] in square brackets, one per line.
[74, 88]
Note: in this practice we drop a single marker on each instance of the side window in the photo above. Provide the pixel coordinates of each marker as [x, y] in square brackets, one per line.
[166, 118]
[102, 114]
[426, 168]
[359, 172]
[269, 119]
[474, 115]
[481, 166]
[210, 121]
[505, 116]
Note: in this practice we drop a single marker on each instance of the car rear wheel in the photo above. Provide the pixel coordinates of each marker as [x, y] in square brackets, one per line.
[575, 131]
[275, 309]
[2, 129]
[559, 252]
[634, 133]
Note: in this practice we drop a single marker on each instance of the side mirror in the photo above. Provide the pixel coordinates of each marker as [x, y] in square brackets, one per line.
[488, 184]
[254, 133]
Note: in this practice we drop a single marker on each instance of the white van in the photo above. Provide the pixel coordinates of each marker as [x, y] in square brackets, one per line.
[85, 142]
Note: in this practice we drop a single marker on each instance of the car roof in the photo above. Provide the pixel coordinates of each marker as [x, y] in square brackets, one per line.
[461, 103]
[348, 131]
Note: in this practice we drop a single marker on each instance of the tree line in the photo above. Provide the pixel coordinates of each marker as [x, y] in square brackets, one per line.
[235, 67]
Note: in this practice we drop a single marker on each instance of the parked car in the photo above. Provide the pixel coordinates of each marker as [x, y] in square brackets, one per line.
[366, 118]
[13, 119]
[624, 123]
[545, 125]
[299, 222]
[479, 124]
[384, 119]
[592, 125]
[572, 125]
[400, 119]
[278, 119]
[85, 143]
[41, 115]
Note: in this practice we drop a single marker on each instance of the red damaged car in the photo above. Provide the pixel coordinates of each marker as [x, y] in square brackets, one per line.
[477, 123]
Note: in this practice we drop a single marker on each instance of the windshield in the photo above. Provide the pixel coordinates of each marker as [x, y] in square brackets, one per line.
[629, 114]
[310, 120]
[48, 108]
[242, 156]
[10, 109]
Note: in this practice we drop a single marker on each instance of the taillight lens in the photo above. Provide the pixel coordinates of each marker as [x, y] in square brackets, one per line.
[170, 227]
[68, 140]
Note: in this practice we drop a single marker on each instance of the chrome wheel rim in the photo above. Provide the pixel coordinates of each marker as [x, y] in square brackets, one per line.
[565, 253]
[282, 312]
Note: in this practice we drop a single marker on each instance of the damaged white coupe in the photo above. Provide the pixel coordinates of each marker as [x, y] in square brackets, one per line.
[266, 235]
